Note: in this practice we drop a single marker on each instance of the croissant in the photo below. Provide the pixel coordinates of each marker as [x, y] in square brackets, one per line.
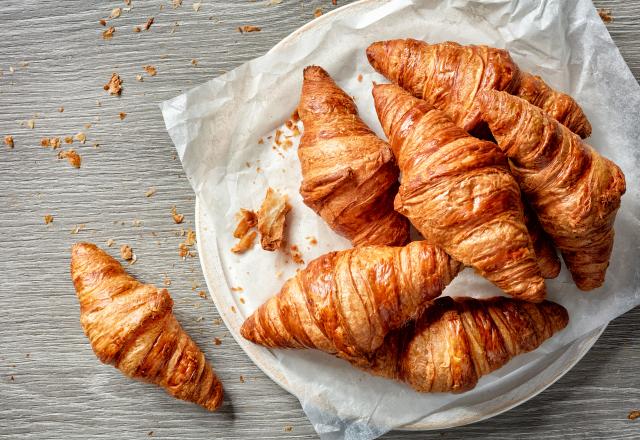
[458, 340]
[458, 192]
[131, 325]
[349, 175]
[548, 261]
[346, 302]
[574, 190]
[449, 76]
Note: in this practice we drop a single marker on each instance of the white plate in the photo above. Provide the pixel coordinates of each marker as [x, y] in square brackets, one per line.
[515, 389]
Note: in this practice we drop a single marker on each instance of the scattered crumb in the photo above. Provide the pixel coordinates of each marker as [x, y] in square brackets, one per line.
[31, 124]
[245, 243]
[136, 29]
[217, 321]
[77, 228]
[87, 125]
[68, 140]
[12, 378]
[241, 300]
[148, 24]
[108, 33]
[8, 141]
[248, 220]
[139, 78]
[110, 242]
[44, 142]
[202, 295]
[102, 21]
[196, 6]
[150, 70]
[55, 142]
[360, 77]
[633, 415]
[271, 219]
[122, 115]
[334, 2]
[183, 250]
[177, 218]
[177, 3]
[115, 13]
[150, 192]
[72, 157]
[114, 86]
[261, 141]
[237, 289]
[605, 15]
[166, 280]
[194, 62]
[233, 309]
[318, 12]
[296, 255]
[312, 240]
[191, 238]
[289, 428]
[274, 2]
[126, 252]
[48, 219]
[278, 274]
[150, 433]
[80, 137]
[217, 341]
[248, 28]
[241, 378]
[61, 109]
[136, 223]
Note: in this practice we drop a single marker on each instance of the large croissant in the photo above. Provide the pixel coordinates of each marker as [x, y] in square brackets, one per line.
[449, 76]
[349, 175]
[458, 192]
[458, 340]
[545, 251]
[574, 190]
[346, 302]
[131, 325]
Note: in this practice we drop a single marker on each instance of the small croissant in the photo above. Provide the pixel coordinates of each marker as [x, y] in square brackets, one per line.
[131, 326]
[346, 302]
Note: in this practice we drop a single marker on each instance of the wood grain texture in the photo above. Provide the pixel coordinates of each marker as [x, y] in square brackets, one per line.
[51, 385]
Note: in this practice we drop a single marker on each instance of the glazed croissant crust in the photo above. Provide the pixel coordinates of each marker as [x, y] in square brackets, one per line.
[458, 340]
[459, 193]
[349, 175]
[574, 190]
[449, 76]
[131, 326]
[346, 302]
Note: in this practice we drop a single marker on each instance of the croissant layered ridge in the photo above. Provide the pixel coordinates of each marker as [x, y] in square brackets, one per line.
[346, 302]
[349, 174]
[131, 326]
[459, 193]
[574, 190]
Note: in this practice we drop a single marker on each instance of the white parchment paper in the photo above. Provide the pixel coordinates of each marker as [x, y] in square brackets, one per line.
[216, 127]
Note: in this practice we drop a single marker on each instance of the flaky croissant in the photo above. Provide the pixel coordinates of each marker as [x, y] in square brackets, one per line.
[458, 340]
[458, 192]
[545, 251]
[448, 76]
[574, 190]
[131, 326]
[346, 302]
[349, 175]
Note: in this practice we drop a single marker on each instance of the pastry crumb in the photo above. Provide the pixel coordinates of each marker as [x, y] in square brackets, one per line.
[237, 289]
[605, 15]
[148, 24]
[44, 142]
[102, 22]
[334, 2]
[48, 219]
[150, 192]
[318, 12]
[260, 141]
[72, 157]
[77, 228]
[248, 28]
[296, 255]
[289, 428]
[176, 3]
[196, 6]
[68, 140]
[31, 123]
[177, 218]
[110, 242]
[114, 86]
[107, 34]
[126, 252]
[271, 219]
[54, 142]
[217, 321]
[191, 238]
[122, 115]
[359, 77]
[151, 70]
[248, 220]
[312, 240]
[217, 341]
[241, 300]
[245, 243]
[241, 378]
[183, 250]
[80, 137]
[233, 309]
[115, 13]
[8, 141]
[166, 280]
[202, 295]
[139, 78]
[633, 415]
[150, 433]
[61, 109]
[136, 29]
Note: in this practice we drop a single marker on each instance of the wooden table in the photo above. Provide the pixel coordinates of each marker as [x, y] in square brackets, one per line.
[53, 56]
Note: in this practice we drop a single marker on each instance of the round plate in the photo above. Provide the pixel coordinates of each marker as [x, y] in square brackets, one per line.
[517, 390]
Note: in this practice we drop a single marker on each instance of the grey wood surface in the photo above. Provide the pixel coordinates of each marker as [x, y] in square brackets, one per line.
[51, 384]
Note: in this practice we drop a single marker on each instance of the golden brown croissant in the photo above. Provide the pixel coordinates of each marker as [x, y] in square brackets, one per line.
[449, 76]
[574, 190]
[349, 175]
[346, 302]
[458, 340]
[458, 192]
[131, 326]
[545, 251]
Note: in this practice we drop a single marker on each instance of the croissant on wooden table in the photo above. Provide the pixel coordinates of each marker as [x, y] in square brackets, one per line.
[458, 340]
[449, 76]
[131, 326]
[346, 302]
[349, 174]
[574, 191]
[459, 193]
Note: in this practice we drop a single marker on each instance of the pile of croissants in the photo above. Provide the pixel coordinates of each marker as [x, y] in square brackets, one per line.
[486, 161]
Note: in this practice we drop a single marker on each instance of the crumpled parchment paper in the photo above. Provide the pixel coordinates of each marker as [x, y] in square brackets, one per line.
[216, 128]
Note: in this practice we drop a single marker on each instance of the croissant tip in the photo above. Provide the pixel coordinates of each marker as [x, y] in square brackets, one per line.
[376, 52]
[314, 73]
[83, 248]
